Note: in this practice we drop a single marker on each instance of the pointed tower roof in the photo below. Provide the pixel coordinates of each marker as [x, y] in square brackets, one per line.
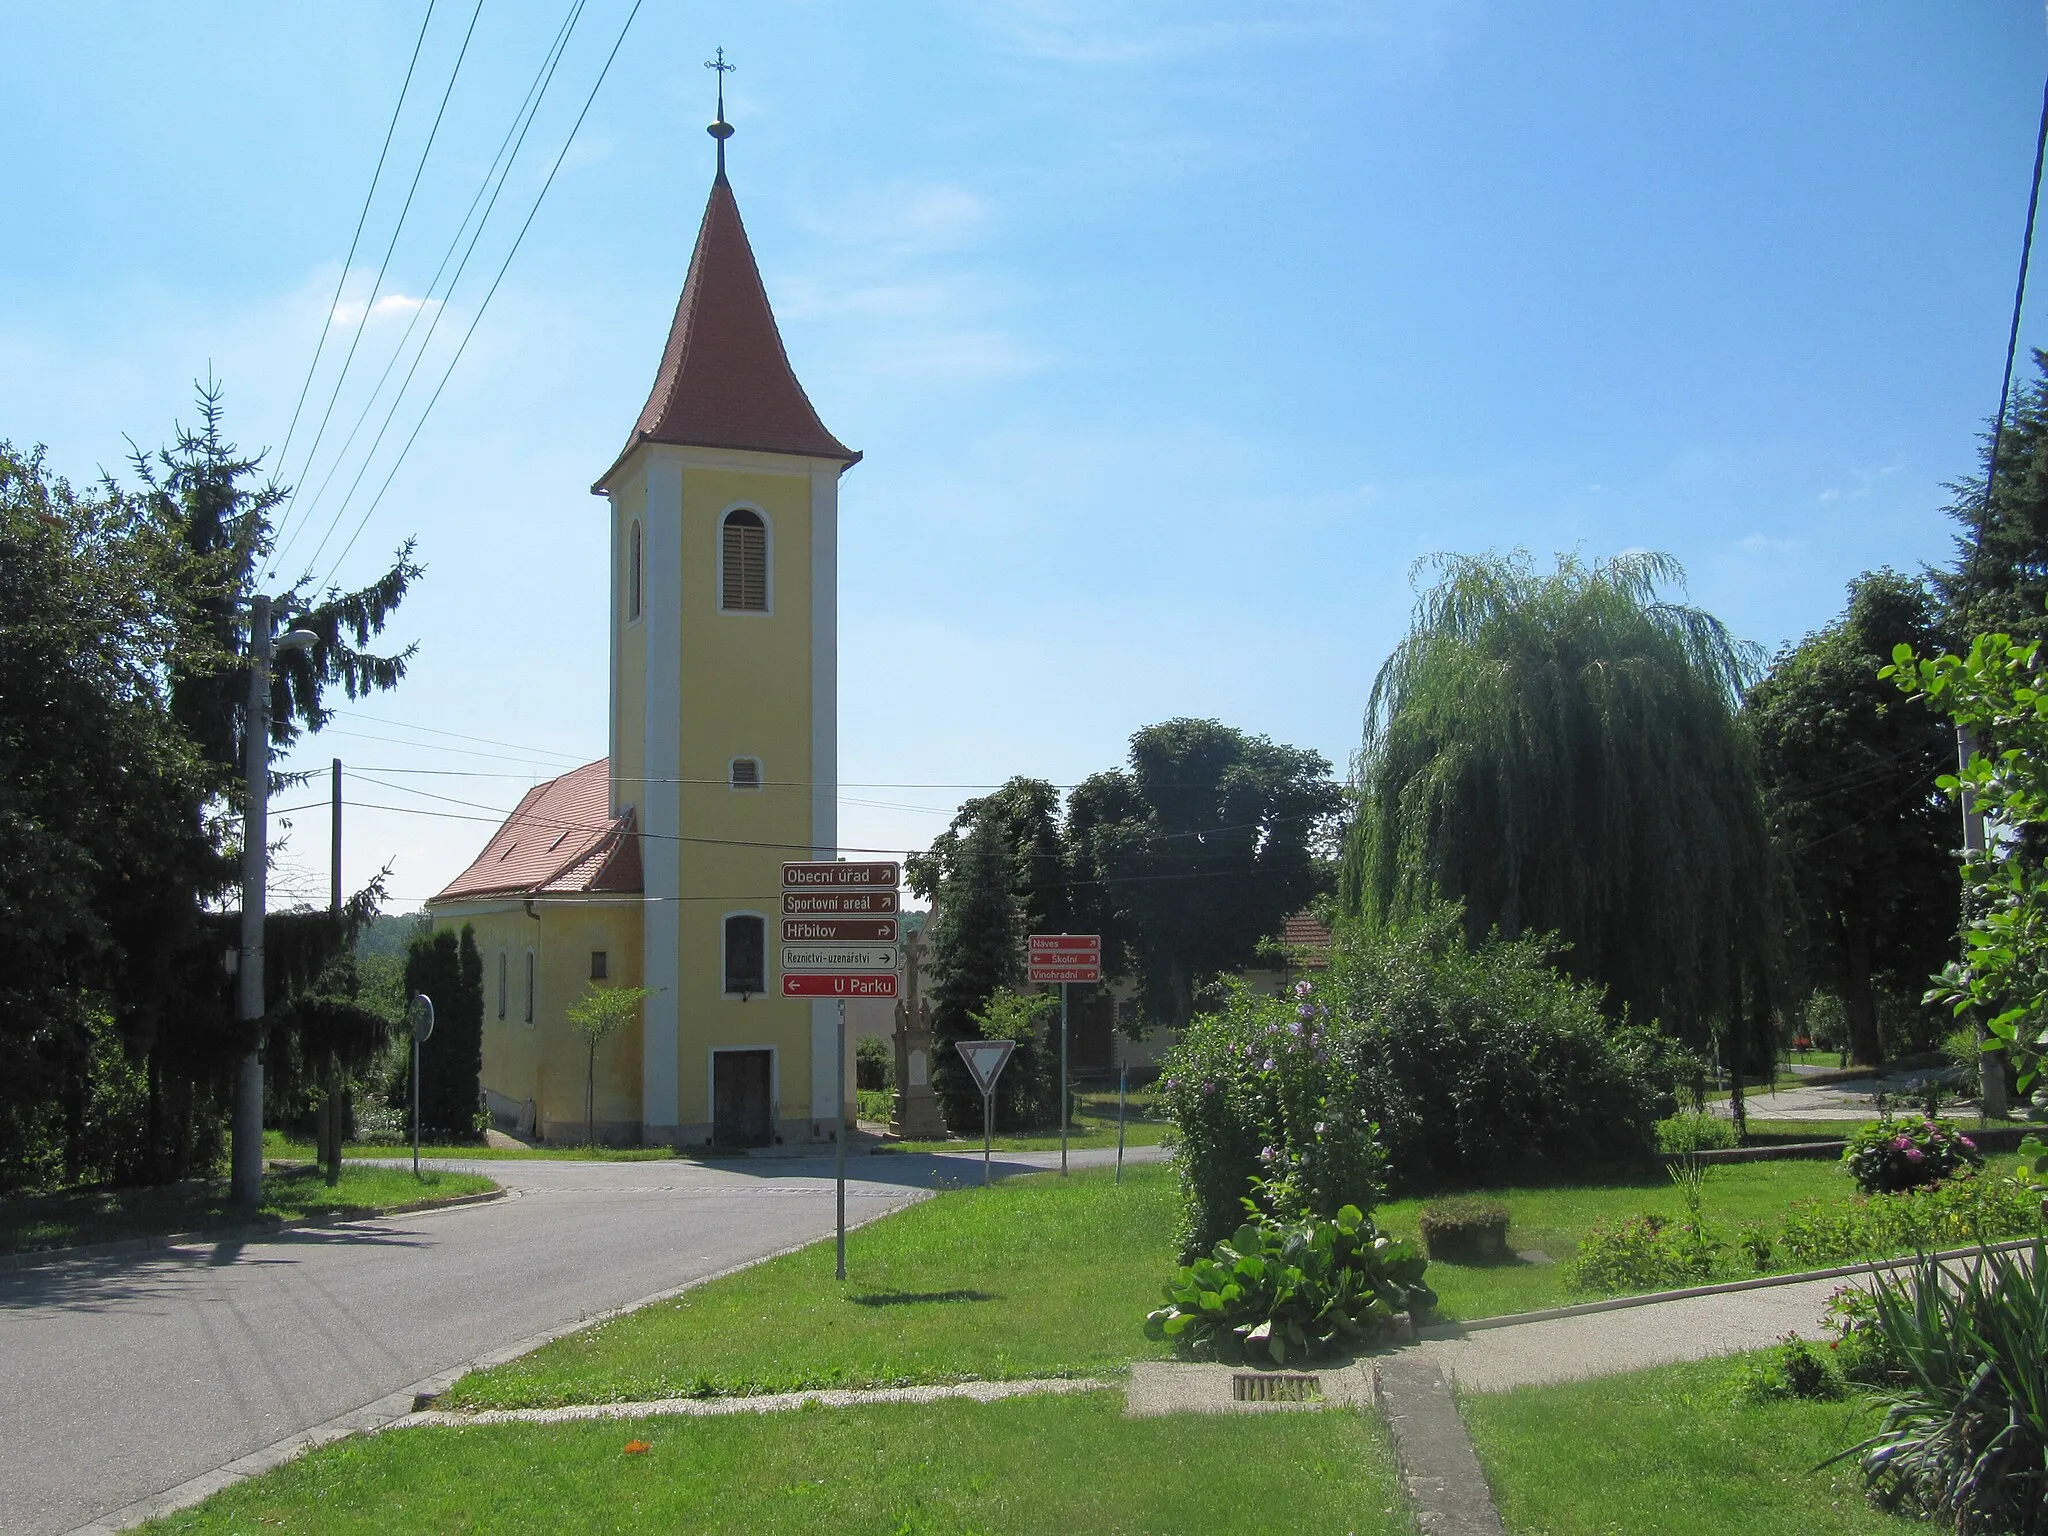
[725, 381]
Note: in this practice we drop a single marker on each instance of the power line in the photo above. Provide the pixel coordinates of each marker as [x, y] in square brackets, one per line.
[500, 171]
[391, 245]
[334, 304]
[463, 346]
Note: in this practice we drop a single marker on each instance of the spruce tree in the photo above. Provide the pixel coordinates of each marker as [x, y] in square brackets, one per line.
[975, 944]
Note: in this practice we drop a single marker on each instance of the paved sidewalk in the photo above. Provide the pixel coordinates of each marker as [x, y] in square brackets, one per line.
[1630, 1338]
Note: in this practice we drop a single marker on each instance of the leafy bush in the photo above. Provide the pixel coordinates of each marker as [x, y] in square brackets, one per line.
[1965, 1431]
[1652, 1252]
[1292, 1289]
[1793, 1368]
[1890, 1155]
[1468, 1066]
[1691, 1130]
[1465, 1230]
[1267, 1092]
[874, 1064]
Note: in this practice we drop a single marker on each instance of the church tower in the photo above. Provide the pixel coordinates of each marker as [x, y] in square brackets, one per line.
[724, 700]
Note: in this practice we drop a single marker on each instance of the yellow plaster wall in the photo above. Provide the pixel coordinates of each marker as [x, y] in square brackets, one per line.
[545, 1061]
[629, 505]
[745, 692]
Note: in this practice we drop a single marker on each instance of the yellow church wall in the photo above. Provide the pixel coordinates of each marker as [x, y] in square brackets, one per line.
[533, 1073]
[745, 692]
[629, 640]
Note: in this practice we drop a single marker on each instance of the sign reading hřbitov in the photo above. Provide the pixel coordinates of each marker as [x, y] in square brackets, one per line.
[1063, 957]
[839, 930]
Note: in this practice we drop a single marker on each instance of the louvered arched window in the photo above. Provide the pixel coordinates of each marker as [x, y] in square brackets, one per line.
[743, 562]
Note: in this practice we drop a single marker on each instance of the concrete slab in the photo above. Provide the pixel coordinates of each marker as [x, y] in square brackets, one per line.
[1161, 1387]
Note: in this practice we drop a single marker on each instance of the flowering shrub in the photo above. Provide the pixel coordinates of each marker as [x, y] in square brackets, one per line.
[1267, 1099]
[1692, 1130]
[1891, 1155]
[1415, 1063]
[1291, 1288]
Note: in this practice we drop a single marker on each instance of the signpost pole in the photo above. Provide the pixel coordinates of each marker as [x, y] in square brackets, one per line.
[415, 1103]
[1064, 1116]
[1123, 1078]
[839, 1138]
[988, 1099]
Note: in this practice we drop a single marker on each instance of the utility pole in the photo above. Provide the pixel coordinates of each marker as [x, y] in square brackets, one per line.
[331, 1115]
[246, 1157]
[1991, 1100]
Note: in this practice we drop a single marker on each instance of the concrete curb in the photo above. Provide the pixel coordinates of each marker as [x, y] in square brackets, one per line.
[393, 1406]
[1439, 1469]
[265, 1228]
[765, 1402]
[1728, 1287]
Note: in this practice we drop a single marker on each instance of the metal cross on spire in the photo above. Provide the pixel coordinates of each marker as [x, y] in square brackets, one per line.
[720, 129]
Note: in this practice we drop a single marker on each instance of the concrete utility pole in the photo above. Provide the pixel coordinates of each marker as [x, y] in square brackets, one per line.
[1991, 1100]
[246, 1156]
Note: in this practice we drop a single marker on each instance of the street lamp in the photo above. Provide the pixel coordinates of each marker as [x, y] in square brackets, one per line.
[246, 1157]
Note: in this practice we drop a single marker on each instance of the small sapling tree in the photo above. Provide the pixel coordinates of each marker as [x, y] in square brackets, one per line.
[597, 1015]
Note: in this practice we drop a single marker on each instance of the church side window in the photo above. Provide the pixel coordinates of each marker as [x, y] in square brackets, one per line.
[743, 562]
[501, 983]
[633, 572]
[529, 986]
[746, 953]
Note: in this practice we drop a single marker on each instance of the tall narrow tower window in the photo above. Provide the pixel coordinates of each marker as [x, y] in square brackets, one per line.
[746, 953]
[633, 572]
[743, 563]
[746, 773]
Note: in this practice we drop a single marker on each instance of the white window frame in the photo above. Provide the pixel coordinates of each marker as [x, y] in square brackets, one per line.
[767, 573]
[760, 775]
[767, 955]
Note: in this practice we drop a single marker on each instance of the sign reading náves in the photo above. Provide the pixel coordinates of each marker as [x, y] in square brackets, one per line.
[1063, 957]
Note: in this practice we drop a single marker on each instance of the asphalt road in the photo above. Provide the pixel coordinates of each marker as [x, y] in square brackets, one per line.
[127, 1376]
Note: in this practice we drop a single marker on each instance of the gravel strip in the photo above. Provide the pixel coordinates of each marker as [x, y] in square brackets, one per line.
[767, 1402]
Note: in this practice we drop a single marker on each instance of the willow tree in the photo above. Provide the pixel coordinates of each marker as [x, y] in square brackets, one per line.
[1561, 753]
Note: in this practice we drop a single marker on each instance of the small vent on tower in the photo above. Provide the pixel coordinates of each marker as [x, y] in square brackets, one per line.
[746, 773]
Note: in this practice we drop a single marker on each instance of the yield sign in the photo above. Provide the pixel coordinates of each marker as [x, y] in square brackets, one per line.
[985, 1060]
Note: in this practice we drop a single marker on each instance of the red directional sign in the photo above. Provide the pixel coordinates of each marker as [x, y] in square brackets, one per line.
[825, 984]
[831, 875]
[868, 903]
[1064, 957]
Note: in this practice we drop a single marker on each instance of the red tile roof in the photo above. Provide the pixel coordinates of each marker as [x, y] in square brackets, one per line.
[558, 841]
[725, 381]
[1304, 931]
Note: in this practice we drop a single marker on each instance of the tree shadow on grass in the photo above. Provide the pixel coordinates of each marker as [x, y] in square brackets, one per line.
[911, 1298]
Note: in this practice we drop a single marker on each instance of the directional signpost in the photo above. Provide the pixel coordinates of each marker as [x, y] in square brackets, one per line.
[1064, 958]
[839, 941]
[985, 1059]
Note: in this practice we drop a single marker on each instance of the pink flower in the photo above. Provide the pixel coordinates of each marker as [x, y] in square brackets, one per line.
[1915, 1155]
[1967, 1142]
[1900, 1144]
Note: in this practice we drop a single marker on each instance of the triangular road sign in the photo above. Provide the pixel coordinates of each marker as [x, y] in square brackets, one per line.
[985, 1059]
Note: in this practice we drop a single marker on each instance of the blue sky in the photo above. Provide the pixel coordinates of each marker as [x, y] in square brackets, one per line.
[1173, 333]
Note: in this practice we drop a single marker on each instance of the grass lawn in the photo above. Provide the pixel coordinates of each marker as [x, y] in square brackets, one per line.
[1671, 1452]
[1051, 1465]
[1035, 1276]
[277, 1144]
[1551, 1221]
[1094, 1126]
[98, 1215]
